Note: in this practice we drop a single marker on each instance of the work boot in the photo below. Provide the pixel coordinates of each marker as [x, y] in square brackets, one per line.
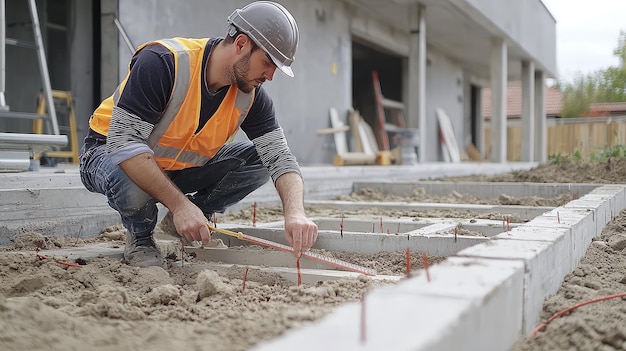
[142, 251]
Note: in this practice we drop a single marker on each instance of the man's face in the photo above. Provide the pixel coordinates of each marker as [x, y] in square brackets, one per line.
[252, 69]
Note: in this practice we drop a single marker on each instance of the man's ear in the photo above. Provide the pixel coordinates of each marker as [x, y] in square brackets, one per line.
[241, 41]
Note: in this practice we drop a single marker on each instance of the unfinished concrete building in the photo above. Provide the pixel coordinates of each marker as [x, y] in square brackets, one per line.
[429, 55]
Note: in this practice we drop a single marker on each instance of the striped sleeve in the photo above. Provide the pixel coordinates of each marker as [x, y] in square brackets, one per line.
[127, 135]
[275, 153]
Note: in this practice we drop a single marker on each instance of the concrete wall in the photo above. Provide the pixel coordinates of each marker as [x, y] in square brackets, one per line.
[323, 65]
[82, 70]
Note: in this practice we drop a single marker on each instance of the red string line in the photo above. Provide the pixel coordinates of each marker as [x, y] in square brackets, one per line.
[569, 309]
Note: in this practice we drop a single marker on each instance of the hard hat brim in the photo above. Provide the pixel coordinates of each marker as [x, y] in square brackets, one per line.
[285, 69]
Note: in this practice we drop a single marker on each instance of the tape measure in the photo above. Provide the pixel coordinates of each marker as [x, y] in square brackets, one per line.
[312, 255]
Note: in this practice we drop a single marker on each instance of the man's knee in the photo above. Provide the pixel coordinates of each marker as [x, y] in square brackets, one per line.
[127, 198]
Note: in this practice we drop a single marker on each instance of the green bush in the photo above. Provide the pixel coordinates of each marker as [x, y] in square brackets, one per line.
[601, 154]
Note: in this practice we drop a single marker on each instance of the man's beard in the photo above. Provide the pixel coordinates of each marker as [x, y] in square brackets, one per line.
[241, 69]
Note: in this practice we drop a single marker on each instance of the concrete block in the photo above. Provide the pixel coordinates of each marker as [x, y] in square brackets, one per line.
[600, 206]
[466, 298]
[541, 262]
[582, 223]
[615, 191]
[561, 239]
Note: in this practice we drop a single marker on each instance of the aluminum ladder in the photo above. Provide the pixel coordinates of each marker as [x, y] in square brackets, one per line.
[16, 149]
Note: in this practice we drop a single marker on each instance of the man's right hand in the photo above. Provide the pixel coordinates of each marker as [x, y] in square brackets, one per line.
[191, 223]
[189, 220]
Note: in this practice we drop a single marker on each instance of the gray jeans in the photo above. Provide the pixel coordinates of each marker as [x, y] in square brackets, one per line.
[233, 173]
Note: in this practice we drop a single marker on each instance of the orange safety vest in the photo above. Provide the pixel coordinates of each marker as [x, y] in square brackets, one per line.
[174, 140]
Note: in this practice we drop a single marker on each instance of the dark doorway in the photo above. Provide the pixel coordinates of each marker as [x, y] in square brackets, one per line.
[475, 113]
[365, 59]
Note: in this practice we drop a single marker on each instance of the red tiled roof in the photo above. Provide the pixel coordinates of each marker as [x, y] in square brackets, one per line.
[608, 106]
[554, 101]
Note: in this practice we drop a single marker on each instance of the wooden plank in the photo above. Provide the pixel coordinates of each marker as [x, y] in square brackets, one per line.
[368, 139]
[333, 130]
[354, 119]
[473, 152]
[444, 147]
[341, 144]
[448, 134]
[354, 158]
[514, 137]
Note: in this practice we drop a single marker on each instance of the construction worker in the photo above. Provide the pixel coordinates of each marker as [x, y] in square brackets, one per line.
[166, 133]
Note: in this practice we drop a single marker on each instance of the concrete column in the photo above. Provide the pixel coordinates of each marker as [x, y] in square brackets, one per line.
[416, 101]
[528, 111]
[109, 63]
[541, 125]
[82, 76]
[498, 100]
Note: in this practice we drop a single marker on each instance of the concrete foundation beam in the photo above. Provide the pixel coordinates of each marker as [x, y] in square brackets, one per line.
[520, 211]
[426, 240]
[537, 254]
[481, 189]
[464, 298]
[53, 211]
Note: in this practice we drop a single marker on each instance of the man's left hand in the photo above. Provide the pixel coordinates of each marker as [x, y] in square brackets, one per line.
[301, 233]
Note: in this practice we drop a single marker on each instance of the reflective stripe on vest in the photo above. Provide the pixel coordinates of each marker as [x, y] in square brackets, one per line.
[179, 92]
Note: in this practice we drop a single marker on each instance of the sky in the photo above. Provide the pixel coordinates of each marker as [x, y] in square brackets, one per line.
[587, 32]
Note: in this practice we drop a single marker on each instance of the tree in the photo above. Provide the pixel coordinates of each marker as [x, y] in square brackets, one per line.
[608, 85]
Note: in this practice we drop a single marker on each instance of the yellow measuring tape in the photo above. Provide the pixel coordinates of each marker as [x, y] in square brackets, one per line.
[226, 232]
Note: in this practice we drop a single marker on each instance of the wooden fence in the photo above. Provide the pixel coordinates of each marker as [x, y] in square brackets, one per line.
[568, 135]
